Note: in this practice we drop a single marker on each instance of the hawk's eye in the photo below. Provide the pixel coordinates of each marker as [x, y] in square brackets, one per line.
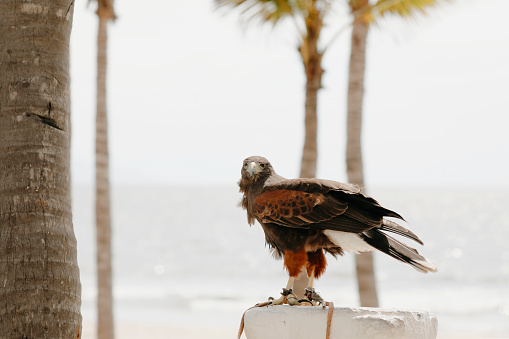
[245, 165]
[262, 165]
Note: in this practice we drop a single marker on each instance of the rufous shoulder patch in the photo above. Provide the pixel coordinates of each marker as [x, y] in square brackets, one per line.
[285, 203]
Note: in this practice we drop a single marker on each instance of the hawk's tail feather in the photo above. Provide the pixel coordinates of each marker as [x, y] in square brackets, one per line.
[391, 226]
[398, 250]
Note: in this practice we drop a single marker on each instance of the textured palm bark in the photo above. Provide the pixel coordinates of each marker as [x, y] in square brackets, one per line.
[105, 327]
[312, 60]
[40, 289]
[364, 261]
[310, 149]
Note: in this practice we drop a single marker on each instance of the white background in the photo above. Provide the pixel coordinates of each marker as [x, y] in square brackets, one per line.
[192, 92]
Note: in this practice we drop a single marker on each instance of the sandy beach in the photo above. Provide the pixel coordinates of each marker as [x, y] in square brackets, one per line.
[145, 330]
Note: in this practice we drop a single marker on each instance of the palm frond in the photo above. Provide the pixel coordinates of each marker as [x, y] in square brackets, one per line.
[306, 15]
[271, 11]
[370, 13]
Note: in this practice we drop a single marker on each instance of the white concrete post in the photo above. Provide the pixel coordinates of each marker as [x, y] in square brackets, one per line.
[294, 322]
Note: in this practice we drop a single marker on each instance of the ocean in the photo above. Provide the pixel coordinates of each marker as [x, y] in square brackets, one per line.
[186, 257]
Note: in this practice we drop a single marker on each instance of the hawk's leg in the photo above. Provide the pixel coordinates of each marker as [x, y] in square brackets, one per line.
[311, 295]
[315, 268]
[284, 295]
[293, 262]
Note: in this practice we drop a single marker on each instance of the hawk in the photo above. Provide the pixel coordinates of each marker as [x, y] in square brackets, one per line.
[305, 218]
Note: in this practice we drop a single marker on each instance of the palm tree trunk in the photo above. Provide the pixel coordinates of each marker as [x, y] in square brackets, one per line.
[40, 290]
[103, 218]
[314, 71]
[310, 149]
[364, 262]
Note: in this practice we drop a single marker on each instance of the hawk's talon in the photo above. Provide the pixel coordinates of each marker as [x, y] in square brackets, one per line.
[287, 297]
[263, 303]
[286, 292]
[278, 301]
[313, 296]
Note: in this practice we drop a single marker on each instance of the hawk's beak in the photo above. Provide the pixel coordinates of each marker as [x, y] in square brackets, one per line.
[253, 168]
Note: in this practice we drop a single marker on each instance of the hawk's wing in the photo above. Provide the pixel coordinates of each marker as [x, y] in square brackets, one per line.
[314, 203]
[324, 204]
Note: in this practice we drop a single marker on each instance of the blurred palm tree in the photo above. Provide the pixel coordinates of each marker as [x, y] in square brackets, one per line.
[105, 325]
[307, 15]
[364, 14]
[308, 18]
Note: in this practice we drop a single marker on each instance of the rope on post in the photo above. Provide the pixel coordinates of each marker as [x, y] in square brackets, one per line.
[329, 318]
[241, 328]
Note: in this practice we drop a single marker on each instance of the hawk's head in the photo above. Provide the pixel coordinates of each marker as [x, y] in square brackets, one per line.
[255, 170]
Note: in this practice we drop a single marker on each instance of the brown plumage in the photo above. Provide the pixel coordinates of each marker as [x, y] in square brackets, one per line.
[303, 218]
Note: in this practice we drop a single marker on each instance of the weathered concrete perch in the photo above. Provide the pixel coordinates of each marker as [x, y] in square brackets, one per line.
[311, 322]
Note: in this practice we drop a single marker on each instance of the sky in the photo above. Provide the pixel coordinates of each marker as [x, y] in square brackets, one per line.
[192, 91]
